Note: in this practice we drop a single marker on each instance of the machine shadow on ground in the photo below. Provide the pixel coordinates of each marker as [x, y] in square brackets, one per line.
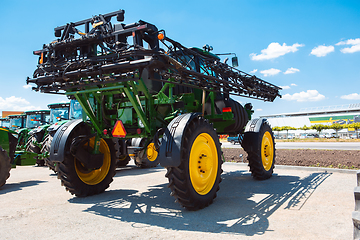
[243, 205]
[13, 187]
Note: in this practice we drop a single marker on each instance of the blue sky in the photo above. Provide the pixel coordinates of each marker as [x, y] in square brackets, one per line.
[310, 48]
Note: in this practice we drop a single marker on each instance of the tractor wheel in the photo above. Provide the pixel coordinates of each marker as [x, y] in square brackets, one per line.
[31, 147]
[146, 158]
[123, 160]
[261, 155]
[5, 166]
[46, 144]
[81, 181]
[195, 182]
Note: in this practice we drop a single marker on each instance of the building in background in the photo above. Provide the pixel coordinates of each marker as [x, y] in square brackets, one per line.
[7, 113]
[342, 114]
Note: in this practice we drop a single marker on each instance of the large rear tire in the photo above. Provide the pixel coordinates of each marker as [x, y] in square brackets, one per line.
[195, 182]
[261, 155]
[5, 166]
[84, 182]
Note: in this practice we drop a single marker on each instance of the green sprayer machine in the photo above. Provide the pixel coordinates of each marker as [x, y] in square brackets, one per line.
[149, 97]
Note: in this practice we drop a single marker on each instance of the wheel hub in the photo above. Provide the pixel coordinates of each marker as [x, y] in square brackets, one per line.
[203, 163]
[93, 177]
[151, 152]
[267, 152]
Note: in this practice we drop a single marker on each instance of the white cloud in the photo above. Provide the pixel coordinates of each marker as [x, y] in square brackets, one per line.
[354, 48]
[27, 86]
[291, 70]
[15, 104]
[293, 84]
[352, 96]
[322, 51]
[253, 71]
[259, 110]
[275, 50]
[285, 87]
[270, 72]
[308, 96]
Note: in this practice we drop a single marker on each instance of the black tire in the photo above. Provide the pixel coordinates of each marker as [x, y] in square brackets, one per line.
[46, 144]
[84, 182]
[261, 153]
[5, 166]
[195, 182]
[123, 160]
[143, 159]
[31, 147]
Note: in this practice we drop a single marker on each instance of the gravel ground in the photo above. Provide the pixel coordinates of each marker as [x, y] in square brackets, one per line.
[348, 159]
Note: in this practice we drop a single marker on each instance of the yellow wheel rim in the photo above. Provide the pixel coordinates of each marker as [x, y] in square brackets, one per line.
[267, 151]
[151, 152]
[203, 163]
[93, 177]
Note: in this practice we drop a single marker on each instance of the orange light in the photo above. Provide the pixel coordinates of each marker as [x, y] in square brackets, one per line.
[161, 36]
[133, 34]
[41, 61]
[119, 130]
[226, 109]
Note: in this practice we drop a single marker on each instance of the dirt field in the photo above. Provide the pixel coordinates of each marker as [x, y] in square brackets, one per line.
[305, 157]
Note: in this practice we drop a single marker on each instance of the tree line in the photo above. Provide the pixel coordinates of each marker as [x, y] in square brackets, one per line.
[320, 127]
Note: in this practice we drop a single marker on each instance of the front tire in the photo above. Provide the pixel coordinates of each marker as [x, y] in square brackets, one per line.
[32, 147]
[5, 166]
[146, 158]
[261, 154]
[84, 182]
[195, 182]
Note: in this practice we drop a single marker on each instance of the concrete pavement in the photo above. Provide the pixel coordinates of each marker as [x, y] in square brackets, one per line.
[296, 203]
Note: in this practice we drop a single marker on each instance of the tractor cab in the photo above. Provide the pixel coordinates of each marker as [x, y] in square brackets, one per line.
[75, 110]
[59, 112]
[17, 121]
[37, 118]
[5, 122]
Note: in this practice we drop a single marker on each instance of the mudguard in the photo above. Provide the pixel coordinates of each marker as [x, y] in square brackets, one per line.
[254, 124]
[170, 148]
[57, 149]
[38, 129]
[54, 127]
[250, 134]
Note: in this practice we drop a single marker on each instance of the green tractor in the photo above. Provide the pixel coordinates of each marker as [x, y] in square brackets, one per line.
[18, 124]
[164, 102]
[58, 113]
[23, 125]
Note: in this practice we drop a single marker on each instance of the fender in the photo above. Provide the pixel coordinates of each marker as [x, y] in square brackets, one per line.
[57, 149]
[56, 126]
[38, 129]
[254, 124]
[250, 134]
[170, 148]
